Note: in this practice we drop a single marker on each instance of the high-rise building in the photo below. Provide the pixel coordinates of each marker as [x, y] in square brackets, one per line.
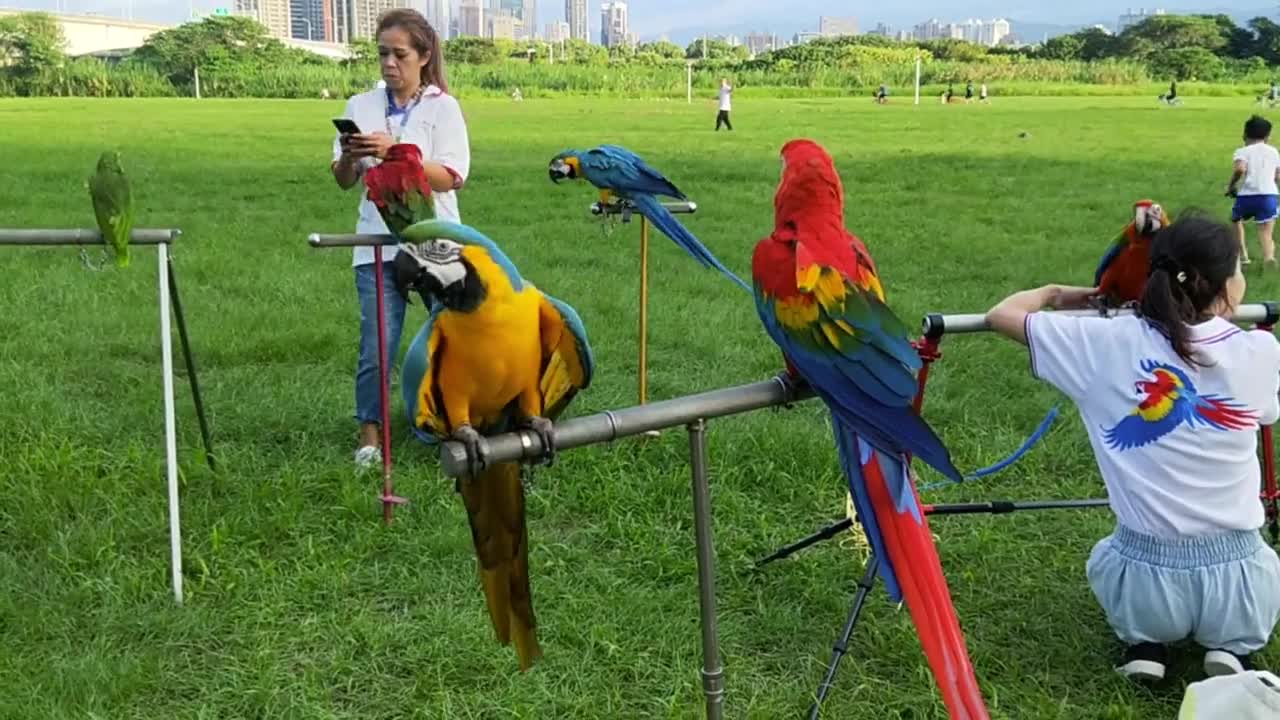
[439, 14]
[502, 27]
[805, 36]
[362, 15]
[575, 13]
[930, 29]
[837, 26]
[1133, 18]
[614, 30]
[311, 19]
[557, 31]
[758, 43]
[272, 14]
[471, 19]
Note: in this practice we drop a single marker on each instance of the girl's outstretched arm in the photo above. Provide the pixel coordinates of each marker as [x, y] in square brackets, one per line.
[1009, 316]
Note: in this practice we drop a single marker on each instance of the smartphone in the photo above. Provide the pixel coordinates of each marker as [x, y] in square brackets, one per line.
[346, 126]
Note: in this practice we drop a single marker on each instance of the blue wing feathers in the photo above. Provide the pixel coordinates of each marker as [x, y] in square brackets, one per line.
[579, 330]
[1107, 259]
[851, 451]
[662, 219]
[414, 368]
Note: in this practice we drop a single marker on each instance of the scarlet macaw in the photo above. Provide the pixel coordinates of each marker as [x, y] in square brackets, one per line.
[495, 354]
[618, 171]
[1122, 275]
[820, 299]
[398, 187]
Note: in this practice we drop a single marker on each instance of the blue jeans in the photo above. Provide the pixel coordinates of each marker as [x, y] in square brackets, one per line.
[368, 397]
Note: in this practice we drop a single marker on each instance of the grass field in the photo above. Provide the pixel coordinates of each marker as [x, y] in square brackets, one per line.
[300, 604]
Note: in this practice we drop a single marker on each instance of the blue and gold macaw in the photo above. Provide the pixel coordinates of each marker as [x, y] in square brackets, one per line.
[496, 354]
[618, 171]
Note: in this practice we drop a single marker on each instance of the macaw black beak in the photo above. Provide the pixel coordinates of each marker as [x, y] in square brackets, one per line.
[556, 175]
[407, 274]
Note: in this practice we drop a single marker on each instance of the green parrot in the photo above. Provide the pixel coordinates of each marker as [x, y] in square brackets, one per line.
[112, 205]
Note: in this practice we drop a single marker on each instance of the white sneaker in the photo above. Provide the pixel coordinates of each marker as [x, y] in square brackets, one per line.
[1221, 662]
[368, 457]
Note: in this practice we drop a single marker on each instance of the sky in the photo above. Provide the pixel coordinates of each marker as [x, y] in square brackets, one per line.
[680, 18]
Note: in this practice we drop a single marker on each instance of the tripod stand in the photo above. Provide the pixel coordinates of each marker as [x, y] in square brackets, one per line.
[868, 581]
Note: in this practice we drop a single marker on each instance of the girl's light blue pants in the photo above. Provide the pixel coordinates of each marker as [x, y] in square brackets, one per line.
[1222, 590]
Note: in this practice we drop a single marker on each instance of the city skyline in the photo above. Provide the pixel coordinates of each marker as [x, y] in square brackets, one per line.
[682, 22]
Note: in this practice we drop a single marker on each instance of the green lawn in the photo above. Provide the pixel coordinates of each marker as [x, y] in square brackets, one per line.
[301, 604]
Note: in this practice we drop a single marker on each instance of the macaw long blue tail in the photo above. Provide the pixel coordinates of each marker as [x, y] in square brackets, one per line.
[1030, 442]
[662, 219]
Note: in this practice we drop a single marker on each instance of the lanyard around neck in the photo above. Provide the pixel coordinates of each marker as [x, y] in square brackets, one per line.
[391, 109]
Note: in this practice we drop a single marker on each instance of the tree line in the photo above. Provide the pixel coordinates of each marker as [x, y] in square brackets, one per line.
[235, 56]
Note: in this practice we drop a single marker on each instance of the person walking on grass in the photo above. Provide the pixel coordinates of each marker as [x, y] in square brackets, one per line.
[413, 108]
[1172, 398]
[726, 104]
[1258, 165]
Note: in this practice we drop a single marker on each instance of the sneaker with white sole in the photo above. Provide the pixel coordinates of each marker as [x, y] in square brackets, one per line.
[1144, 662]
[1221, 662]
[368, 457]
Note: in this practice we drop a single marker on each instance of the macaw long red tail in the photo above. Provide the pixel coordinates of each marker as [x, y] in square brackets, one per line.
[889, 509]
[495, 508]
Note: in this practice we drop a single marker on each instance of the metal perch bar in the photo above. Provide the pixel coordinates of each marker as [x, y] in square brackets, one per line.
[614, 424]
[683, 207]
[321, 240]
[84, 236]
[937, 324]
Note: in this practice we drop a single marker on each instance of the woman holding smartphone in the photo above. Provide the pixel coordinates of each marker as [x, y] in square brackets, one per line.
[414, 107]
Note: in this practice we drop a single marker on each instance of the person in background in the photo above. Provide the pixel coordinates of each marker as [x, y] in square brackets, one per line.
[1257, 164]
[968, 92]
[414, 107]
[1172, 398]
[882, 95]
[726, 104]
[982, 94]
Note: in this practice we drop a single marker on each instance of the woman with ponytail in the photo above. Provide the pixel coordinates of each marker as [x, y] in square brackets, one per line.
[413, 107]
[1172, 398]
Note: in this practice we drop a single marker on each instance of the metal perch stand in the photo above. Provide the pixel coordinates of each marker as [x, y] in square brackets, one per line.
[389, 498]
[168, 295]
[626, 209]
[693, 412]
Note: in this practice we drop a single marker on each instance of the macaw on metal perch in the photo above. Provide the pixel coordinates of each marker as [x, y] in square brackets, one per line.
[820, 299]
[618, 171]
[496, 354]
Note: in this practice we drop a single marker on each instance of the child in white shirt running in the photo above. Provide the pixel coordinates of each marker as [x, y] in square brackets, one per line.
[1255, 168]
[1172, 399]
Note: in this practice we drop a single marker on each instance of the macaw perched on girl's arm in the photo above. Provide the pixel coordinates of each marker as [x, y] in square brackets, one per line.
[820, 299]
[1122, 274]
[398, 187]
[496, 354]
[618, 171]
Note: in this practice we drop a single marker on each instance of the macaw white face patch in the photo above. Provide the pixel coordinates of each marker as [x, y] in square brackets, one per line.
[442, 259]
[1147, 218]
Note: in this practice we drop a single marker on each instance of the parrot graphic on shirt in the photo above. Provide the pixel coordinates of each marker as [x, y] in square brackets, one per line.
[495, 355]
[617, 171]
[112, 205]
[1169, 401]
[1121, 276]
[820, 298]
[398, 187]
